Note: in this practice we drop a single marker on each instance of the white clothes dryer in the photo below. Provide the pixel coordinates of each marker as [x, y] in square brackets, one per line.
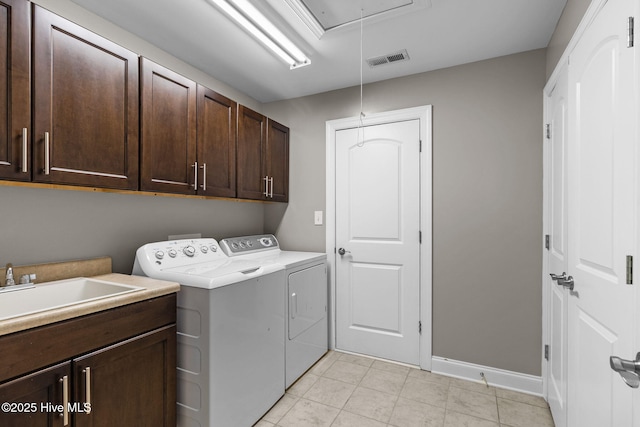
[306, 324]
[230, 331]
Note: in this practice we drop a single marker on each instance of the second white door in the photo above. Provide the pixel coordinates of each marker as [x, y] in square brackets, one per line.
[378, 240]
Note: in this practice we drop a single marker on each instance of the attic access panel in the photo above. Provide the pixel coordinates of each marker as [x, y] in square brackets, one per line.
[334, 13]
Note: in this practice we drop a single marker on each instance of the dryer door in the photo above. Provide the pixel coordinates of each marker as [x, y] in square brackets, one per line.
[307, 299]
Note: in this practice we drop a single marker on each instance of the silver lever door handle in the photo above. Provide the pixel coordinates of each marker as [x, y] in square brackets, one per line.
[567, 282]
[563, 280]
[343, 251]
[629, 370]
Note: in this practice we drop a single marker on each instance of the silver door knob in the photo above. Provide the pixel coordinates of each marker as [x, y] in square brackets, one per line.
[343, 251]
[629, 370]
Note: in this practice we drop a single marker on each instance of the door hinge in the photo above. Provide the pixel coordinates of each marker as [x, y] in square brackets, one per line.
[419, 236]
[547, 243]
[548, 131]
[546, 352]
[630, 32]
[421, 146]
[420, 327]
[629, 269]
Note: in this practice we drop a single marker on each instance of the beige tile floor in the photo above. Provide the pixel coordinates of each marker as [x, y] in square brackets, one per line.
[343, 390]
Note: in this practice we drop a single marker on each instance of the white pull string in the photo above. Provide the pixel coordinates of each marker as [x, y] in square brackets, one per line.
[361, 125]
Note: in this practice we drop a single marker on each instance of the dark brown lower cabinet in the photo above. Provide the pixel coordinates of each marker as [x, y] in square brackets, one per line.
[121, 382]
[23, 398]
[131, 382]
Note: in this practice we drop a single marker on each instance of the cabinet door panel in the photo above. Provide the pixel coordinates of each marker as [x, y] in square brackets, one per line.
[132, 383]
[168, 130]
[15, 102]
[86, 101]
[40, 388]
[277, 161]
[252, 138]
[216, 143]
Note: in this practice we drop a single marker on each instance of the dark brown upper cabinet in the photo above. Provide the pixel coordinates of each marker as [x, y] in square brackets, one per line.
[15, 93]
[85, 106]
[263, 157]
[216, 144]
[252, 140]
[277, 161]
[168, 131]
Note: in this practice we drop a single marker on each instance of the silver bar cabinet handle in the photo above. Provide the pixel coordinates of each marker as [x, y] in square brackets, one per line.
[204, 177]
[266, 186]
[87, 389]
[195, 175]
[65, 400]
[271, 194]
[47, 154]
[24, 151]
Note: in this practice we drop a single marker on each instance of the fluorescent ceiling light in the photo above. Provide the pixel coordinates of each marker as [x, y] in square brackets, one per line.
[245, 14]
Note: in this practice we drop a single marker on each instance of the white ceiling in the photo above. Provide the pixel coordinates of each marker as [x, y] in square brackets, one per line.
[436, 34]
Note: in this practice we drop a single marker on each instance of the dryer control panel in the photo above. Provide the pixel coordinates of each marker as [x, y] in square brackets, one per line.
[249, 244]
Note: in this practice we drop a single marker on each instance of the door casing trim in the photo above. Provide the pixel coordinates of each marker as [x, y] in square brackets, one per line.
[424, 114]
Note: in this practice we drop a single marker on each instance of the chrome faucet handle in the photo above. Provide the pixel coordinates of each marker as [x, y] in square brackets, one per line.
[9, 275]
[27, 278]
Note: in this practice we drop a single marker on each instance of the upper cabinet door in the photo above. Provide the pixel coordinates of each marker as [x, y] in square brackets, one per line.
[277, 161]
[86, 106]
[216, 144]
[15, 97]
[168, 131]
[253, 182]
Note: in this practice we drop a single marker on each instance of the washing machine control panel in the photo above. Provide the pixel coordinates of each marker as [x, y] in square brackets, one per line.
[176, 253]
[249, 244]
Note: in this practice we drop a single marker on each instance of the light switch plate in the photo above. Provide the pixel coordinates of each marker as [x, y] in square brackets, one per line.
[317, 218]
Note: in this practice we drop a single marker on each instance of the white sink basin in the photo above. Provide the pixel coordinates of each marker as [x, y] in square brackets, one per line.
[61, 293]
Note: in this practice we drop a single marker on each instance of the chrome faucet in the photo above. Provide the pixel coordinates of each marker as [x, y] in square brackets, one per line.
[9, 275]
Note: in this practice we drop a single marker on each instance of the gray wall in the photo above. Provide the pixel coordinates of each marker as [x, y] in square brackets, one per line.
[487, 198]
[42, 225]
[46, 225]
[569, 20]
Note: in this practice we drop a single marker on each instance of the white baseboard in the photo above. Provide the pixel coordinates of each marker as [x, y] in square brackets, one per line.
[516, 381]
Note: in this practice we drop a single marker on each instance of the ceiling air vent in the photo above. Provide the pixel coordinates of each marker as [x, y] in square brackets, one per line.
[389, 58]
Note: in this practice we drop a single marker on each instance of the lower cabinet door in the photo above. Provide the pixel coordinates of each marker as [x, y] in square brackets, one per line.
[36, 400]
[132, 383]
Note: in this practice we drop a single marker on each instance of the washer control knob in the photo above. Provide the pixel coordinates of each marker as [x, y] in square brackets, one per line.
[189, 251]
[266, 241]
[249, 243]
[213, 248]
[159, 254]
[243, 245]
[204, 249]
[234, 245]
[172, 253]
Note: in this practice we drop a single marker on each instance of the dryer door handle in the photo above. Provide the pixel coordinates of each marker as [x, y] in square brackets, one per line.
[293, 306]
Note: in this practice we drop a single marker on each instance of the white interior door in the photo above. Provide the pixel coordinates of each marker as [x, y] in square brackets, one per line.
[557, 251]
[602, 218]
[377, 226]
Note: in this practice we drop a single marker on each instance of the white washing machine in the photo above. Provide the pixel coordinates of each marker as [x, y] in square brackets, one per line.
[306, 287]
[230, 331]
